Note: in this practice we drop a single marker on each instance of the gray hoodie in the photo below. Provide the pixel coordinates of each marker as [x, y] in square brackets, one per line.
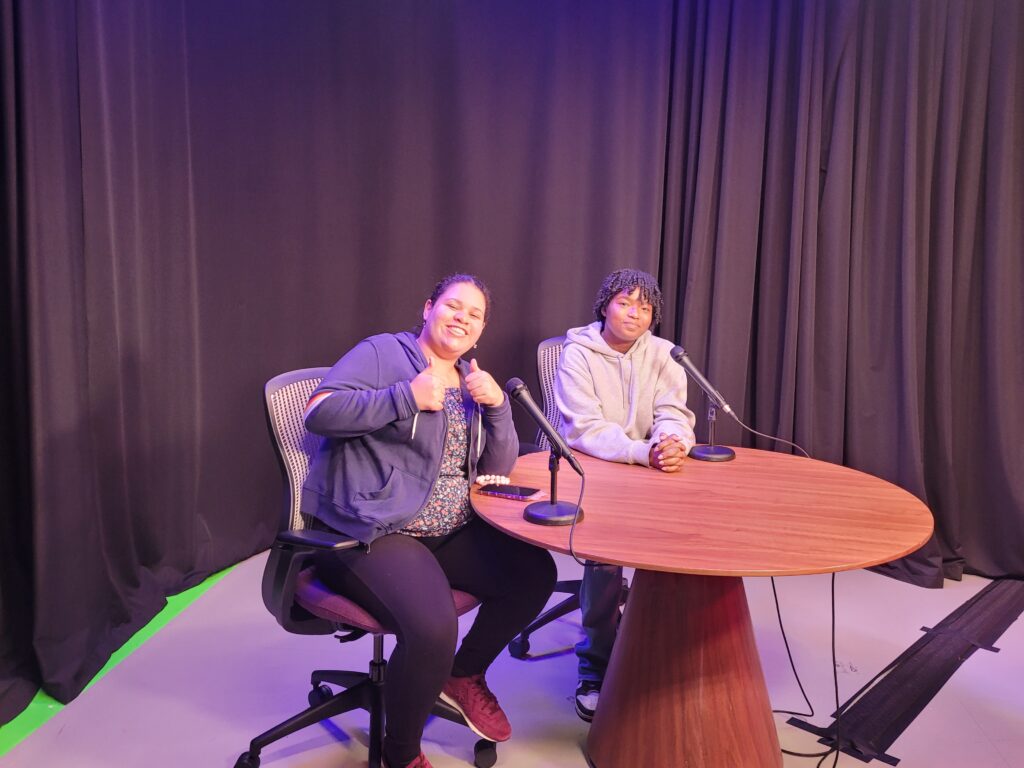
[616, 405]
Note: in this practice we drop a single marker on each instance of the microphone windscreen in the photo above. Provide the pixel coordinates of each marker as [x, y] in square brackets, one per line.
[514, 384]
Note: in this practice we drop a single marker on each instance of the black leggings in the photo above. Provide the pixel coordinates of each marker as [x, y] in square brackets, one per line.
[406, 582]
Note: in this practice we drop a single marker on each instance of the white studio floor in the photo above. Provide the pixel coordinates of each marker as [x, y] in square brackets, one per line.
[223, 671]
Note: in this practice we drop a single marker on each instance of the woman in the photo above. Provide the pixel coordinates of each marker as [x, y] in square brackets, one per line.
[408, 425]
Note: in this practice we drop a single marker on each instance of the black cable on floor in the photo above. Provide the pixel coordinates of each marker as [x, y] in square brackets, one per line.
[792, 665]
[835, 682]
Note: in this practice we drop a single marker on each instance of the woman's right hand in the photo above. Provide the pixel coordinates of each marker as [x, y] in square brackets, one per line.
[428, 389]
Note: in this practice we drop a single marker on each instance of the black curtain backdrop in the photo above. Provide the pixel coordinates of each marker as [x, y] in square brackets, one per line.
[199, 195]
[843, 240]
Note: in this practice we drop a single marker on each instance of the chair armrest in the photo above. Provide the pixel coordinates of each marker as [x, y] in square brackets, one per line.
[317, 539]
[290, 553]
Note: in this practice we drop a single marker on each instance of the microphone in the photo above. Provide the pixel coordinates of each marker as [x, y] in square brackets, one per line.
[679, 355]
[517, 391]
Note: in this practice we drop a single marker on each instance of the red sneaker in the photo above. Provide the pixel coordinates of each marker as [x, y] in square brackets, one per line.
[471, 696]
[419, 762]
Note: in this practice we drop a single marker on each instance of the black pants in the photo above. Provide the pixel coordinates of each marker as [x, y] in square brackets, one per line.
[406, 582]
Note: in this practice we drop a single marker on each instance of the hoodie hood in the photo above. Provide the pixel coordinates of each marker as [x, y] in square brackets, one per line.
[407, 341]
[589, 336]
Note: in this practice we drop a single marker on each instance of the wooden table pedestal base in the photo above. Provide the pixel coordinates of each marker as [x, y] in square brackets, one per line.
[685, 687]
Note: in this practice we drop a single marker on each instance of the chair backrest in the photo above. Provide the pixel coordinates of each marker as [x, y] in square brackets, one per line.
[291, 591]
[285, 398]
[549, 352]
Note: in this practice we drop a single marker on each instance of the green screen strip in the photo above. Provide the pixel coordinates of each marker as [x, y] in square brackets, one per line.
[43, 707]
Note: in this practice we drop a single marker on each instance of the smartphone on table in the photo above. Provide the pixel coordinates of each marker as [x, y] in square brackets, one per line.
[520, 492]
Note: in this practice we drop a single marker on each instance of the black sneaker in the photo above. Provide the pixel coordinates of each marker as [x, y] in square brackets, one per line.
[587, 693]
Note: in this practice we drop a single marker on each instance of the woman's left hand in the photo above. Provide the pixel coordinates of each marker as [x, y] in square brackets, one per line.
[482, 386]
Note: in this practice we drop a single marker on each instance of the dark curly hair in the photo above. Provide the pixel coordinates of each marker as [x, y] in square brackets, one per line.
[628, 280]
[459, 277]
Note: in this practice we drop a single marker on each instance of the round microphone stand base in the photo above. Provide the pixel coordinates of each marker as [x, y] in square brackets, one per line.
[548, 513]
[712, 453]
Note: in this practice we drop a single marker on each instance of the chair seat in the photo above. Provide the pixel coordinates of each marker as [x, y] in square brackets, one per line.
[315, 597]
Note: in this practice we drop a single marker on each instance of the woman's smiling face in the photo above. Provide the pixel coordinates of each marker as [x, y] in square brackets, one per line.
[453, 323]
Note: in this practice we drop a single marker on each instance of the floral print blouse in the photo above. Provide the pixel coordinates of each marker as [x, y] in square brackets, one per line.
[448, 508]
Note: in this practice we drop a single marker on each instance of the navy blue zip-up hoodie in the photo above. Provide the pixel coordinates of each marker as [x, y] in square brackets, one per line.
[381, 455]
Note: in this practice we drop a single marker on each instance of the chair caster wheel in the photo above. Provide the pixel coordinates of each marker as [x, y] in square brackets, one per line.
[519, 648]
[248, 760]
[485, 753]
[319, 694]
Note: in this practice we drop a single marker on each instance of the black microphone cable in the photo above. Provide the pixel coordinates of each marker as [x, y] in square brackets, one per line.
[519, 392]
[785, 640]
[805, 454]
[835, 683]
[679, 355]
[575, 517]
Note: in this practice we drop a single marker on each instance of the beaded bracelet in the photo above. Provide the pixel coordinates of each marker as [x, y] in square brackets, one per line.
[492, 479]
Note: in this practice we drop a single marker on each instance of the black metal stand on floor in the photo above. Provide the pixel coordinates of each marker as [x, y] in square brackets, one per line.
[876, 715]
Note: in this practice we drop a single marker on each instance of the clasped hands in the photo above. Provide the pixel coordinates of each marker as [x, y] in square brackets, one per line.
[428, 387]
[667, 454]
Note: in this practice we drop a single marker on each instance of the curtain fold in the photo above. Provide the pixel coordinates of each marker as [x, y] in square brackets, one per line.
[851, 291]
[18, 669]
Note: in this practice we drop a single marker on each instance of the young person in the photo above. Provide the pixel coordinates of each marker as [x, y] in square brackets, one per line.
[407, 426]
[622, 398]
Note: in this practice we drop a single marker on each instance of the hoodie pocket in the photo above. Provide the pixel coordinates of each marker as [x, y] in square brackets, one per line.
[400, 496]
[386, 491]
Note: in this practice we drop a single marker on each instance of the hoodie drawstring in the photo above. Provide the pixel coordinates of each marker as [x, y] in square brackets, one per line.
[479, 429]
[622, 381]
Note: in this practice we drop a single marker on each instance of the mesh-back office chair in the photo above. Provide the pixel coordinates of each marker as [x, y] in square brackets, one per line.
[549, 352]
[303, 605]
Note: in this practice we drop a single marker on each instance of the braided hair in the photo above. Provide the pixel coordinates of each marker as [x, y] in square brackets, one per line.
[627, 281]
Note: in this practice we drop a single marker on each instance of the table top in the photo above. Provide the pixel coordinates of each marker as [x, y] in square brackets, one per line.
[762, 514]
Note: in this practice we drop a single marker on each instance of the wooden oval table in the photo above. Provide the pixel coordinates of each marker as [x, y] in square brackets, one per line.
[685, 686]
